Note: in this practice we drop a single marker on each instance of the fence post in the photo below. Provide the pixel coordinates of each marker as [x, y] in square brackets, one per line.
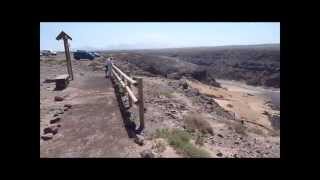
[141, 102]
[130, 100]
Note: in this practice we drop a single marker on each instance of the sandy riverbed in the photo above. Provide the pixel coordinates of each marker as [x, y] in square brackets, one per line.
[246, 102]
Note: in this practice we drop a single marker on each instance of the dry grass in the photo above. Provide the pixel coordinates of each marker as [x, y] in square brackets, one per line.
[180, 141]
[239, 128]
[256, 131]
[55, 61]
[166, 94]
[199, 139]
[159, 146]
[195, 121]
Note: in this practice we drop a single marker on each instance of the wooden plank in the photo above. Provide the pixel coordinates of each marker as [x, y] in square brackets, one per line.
[118, 78]
[130, 99]
[124, 75]
[141, 103]
[132, 96]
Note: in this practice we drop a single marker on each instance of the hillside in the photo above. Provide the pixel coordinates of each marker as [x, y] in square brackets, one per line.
[253, 64]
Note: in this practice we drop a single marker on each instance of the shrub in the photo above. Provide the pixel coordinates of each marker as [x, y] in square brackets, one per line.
[240, 129]
[199, 139]
[166, 94]
[195, 121]
[159, 145]
[180, 141]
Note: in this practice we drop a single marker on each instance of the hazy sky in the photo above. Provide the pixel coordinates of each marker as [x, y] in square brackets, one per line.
[157, 35]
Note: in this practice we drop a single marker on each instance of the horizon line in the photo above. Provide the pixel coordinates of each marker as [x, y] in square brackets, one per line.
[179, 47]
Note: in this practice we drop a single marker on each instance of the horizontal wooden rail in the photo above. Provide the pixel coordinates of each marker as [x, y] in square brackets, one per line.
[126, 81]
[132, 96]
[124, 75]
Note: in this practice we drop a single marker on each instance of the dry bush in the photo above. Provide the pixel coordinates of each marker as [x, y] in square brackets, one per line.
[240, 129]
[180, 141]
[159, 145]
[256, 131]
[195, 121]
[199, 139]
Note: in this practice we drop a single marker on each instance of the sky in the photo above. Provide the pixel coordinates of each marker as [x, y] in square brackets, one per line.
[146, 35]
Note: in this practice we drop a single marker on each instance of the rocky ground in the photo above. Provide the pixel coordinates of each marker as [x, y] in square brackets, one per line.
[169, 104]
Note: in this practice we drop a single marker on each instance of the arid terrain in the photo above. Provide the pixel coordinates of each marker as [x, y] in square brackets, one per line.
[188, 111]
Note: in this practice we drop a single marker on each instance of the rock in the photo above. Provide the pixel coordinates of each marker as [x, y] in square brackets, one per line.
[258, 151]
[55, 115]
[59, 111]
[67, 105]
[147, 154]
[174, 76]
[51, 129]
[192, 92]
[183, 83]
[219, 154]
[182, 107]
[173, 111]
[171, 115]
[47, 137]
[55, 120]
[58, 98]
[236, 142]
[139, 140]
[220, 135]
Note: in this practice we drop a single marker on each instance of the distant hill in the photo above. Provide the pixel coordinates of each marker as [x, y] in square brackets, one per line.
[254, 64]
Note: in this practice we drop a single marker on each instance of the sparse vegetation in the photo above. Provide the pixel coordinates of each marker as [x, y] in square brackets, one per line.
[166, 94]
[240, 129]
[55, 61]
[199, 139]
[180, 141]
[256, 131]
[195, 121]
[159, 145]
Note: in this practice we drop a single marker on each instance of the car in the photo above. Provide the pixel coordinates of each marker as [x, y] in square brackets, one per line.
[45, 52]
[83, 55]
[96, 54]
[48, 53]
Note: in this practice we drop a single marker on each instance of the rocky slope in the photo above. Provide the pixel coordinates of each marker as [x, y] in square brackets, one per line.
[254, 64]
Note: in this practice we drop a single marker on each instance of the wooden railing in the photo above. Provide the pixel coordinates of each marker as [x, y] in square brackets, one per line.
[126, 82]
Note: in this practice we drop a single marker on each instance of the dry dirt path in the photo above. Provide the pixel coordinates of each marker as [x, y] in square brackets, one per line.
[93, 127]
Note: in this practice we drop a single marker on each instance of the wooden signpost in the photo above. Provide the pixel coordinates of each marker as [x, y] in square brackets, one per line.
[65, 38]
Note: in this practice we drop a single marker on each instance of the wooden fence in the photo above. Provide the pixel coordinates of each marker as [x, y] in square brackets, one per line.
[126, 82]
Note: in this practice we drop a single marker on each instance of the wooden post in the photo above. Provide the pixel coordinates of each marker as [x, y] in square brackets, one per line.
[141, 103]
[65, 38]
[130, 100]
[66, 49]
